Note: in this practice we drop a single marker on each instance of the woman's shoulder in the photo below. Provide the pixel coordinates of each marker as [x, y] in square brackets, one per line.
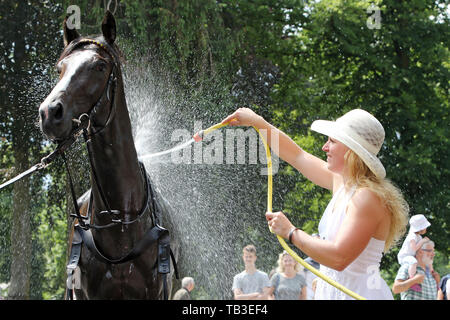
[366, 197]
[366, 201]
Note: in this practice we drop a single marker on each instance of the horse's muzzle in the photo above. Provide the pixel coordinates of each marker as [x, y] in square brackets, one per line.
[53, 120]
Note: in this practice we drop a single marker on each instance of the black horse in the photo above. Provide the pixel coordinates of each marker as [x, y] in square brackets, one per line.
[124, 249]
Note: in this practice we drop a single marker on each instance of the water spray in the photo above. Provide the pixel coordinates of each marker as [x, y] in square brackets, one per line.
[197, 137]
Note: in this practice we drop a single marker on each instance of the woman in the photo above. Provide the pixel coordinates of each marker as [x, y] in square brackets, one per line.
[287, 282]
[366, 215]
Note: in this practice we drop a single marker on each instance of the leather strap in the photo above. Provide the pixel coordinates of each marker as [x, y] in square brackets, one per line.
[157, 233]
[151, 236]
[74, 258]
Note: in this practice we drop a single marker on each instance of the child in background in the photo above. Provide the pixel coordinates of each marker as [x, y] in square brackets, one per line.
[413, 242]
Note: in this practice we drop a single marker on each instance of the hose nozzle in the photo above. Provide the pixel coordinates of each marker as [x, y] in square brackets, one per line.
[198, 136]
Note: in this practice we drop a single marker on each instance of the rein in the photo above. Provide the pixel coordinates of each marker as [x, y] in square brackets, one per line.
[45, 161]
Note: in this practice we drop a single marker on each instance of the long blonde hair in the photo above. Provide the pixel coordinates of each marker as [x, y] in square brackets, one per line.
[359, 174]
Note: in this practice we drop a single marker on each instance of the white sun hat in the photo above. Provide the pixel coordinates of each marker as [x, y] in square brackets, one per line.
[361, 132]
[418, 222]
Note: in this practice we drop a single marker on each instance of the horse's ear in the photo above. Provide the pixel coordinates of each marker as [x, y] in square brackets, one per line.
[69, 33]
[109, 27]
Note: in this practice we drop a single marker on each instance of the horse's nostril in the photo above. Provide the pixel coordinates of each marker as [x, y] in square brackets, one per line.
[42, 114]
[58, 112]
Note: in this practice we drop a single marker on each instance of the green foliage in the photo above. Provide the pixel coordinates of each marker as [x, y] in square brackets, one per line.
[52, 234]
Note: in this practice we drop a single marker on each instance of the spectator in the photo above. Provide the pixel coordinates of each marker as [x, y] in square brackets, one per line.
[187, 285]
[251, 284]
[444, 288]
[428, 280]
[413, 241]
[309, 276]
[287, 282]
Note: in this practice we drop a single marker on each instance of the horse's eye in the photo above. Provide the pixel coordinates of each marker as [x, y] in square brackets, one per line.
[100, 67]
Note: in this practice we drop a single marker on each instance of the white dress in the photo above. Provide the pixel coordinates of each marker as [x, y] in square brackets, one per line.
[362, 276]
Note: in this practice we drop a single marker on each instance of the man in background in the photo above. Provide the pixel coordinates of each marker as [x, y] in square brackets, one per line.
[251, 284]
[187, 285]
[428, 280]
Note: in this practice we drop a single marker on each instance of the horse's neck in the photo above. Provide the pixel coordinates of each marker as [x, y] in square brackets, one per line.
[116, 164]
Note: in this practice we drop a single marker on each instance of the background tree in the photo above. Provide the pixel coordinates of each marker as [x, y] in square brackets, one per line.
[26, 47]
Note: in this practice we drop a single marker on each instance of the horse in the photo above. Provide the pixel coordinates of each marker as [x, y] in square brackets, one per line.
[119, 250]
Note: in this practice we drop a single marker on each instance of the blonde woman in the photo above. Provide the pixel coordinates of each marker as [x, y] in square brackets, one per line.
[287, 282]
[367, 213]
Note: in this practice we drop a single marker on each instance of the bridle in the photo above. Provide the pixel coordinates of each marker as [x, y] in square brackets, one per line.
[84, 125]
[85, 120]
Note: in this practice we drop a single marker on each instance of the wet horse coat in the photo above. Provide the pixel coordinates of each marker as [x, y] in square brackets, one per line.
[91, 84]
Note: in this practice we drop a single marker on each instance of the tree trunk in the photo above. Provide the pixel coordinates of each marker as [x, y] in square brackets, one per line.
[20, 230]
[20, 217]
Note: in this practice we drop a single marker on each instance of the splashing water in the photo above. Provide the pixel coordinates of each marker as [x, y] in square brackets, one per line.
[175, 149]
[208, 200]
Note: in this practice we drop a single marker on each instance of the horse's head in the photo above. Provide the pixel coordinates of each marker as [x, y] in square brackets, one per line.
[85, 67]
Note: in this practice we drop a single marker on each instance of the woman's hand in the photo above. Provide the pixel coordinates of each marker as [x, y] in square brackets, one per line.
[279, 224]
[242, 117]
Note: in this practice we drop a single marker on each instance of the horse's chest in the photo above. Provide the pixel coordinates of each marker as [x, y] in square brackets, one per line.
[117, 281]
[121, 272]
[116, 272]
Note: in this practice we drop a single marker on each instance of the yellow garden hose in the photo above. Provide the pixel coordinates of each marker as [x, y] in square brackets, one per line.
[199, 136]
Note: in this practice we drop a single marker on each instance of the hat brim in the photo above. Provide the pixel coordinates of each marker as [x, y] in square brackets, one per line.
[421, 227]
[331, 129]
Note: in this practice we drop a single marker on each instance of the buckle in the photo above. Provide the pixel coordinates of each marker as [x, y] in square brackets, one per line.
[83, 121]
